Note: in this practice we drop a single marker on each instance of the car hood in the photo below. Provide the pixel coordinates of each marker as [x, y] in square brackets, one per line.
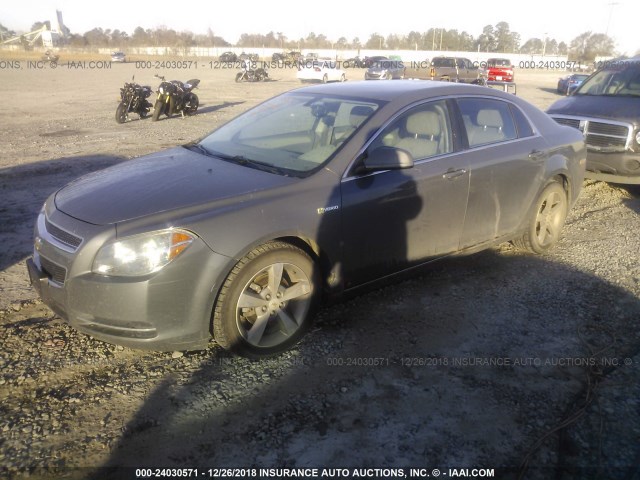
[160, 182]
[598, 106]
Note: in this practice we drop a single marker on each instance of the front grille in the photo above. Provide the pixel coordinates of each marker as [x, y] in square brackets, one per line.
[53, 270]
[62, 235]
[605, 141]
[570, 122]
[608, 129]
[599, 135]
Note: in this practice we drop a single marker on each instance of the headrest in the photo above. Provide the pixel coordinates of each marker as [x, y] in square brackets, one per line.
[423, 123]
[490, 118]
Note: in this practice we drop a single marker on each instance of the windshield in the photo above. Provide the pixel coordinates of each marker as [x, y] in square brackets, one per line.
[292, 134]
[499, 62]
[616, 82]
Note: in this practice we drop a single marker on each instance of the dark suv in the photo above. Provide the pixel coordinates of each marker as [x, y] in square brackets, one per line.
[606, 108]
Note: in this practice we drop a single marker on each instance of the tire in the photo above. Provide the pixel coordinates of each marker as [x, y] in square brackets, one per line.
[157, 110]
[192, 104]
[248, 320]
[121, 113]
[388, 76]
[546, 220]
[343, 78]
[239, 76]
[170, 109]
[325, 78]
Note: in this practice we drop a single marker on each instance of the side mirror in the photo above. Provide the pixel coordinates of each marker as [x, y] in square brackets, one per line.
[388, 158]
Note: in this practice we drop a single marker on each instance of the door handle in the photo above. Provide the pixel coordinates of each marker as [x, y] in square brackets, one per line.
[453, 174]
[536, 155]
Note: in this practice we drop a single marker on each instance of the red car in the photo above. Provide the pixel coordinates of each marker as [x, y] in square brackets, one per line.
[499, 70]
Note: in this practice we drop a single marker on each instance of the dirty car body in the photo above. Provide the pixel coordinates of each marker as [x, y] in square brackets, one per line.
[313, 193]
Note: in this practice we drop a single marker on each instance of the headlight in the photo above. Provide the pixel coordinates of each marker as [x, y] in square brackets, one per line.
[141, 254]
[161, 90]
[638, 137]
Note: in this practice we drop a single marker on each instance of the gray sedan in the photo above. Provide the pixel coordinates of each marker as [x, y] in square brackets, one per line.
[311, 194]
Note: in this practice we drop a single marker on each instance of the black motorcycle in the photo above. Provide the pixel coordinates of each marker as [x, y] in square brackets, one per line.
[175, 97]
[252, 75]
[133, 98]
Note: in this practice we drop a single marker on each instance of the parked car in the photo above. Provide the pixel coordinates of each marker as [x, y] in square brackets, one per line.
[228, 57]
[606, 109]
[291, 56]
[385, 69]
[368, 61]
[50, 56]
[568, 84]
[310, 57]
[499, 70]
[118, 57]
[455, 69]
[309, 195]
[354, 62]
[252, 57]
[322, 70]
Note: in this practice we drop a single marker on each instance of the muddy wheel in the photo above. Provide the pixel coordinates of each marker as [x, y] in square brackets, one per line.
[121, 113]
[547, 219]
[266, 303]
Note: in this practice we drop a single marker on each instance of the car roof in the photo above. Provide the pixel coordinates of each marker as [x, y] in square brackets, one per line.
[393, 90]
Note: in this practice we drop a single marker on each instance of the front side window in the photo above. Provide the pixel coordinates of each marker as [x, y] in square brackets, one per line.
[424, 131]
[486, 121]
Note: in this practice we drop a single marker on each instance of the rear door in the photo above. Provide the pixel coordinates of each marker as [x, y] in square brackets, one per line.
[506, 164]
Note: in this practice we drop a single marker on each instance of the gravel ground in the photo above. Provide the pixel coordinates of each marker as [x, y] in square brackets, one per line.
[500, 360]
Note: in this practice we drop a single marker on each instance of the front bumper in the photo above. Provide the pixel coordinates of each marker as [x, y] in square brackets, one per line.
[383, 75]
[167, 310]
[613, 166]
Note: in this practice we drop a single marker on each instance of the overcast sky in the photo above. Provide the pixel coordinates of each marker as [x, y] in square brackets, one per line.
[562, 20]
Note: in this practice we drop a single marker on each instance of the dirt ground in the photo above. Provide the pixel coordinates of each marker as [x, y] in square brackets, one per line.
[523, 364]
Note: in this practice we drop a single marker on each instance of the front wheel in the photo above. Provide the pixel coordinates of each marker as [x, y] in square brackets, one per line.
[325, 78]
[547, 220]
[266, 303]
[239, 76]
[157, 110]
[121, 113]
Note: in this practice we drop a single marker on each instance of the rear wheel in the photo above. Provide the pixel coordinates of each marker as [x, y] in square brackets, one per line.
[325, 78]
[192, 104]
[121, 113]
[343, 77]
[266, 303]
[547, 220]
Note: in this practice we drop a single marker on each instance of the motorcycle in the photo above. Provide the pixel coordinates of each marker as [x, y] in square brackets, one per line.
[133, 98]
[249, 74]
[174, 97]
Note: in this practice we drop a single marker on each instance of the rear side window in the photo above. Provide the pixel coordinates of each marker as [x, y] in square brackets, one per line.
[487, 121]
